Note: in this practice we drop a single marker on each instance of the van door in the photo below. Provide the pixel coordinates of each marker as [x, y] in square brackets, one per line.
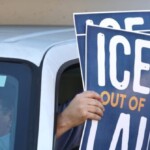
[60, 65]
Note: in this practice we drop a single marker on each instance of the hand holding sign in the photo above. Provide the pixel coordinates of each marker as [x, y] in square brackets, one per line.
[86, 105]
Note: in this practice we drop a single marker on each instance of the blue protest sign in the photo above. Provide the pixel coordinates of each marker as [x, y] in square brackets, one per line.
[118, 68]
[130, 20]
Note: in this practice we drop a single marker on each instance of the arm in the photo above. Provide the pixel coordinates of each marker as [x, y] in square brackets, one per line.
[87, 105]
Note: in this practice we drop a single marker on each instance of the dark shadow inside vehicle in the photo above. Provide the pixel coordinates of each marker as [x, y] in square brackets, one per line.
[70, 83]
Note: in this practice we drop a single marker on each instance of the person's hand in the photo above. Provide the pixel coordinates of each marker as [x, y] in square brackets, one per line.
[87, 105]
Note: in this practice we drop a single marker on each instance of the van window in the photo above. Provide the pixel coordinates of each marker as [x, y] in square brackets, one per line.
[15, 87]
[8, 100]
[70, 83]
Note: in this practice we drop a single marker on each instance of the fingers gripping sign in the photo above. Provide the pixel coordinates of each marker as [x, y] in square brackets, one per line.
[86, 105]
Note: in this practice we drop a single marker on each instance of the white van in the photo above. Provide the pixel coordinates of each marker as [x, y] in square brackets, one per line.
[39, 68]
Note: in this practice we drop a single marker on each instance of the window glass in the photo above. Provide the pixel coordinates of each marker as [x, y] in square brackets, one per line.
[15, 99]
[8, 100]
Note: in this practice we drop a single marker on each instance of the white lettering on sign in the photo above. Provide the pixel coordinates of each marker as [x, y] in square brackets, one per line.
[138, 64]
[113, 61]
[140, 137]
[128, 23]
[123, 125]
[109, 22]
[101, 59]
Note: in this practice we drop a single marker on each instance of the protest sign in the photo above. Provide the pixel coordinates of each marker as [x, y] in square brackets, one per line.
[129, 20]
[118, 68]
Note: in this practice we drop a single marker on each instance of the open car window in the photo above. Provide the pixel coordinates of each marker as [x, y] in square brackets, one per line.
[70, 83]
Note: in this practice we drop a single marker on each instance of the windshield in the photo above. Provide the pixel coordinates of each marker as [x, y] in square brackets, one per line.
[15, 80]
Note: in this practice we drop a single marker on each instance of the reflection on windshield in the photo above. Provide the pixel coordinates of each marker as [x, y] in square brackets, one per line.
[8, 100]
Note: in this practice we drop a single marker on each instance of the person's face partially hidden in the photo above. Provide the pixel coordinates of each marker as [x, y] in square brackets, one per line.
[5, 122]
